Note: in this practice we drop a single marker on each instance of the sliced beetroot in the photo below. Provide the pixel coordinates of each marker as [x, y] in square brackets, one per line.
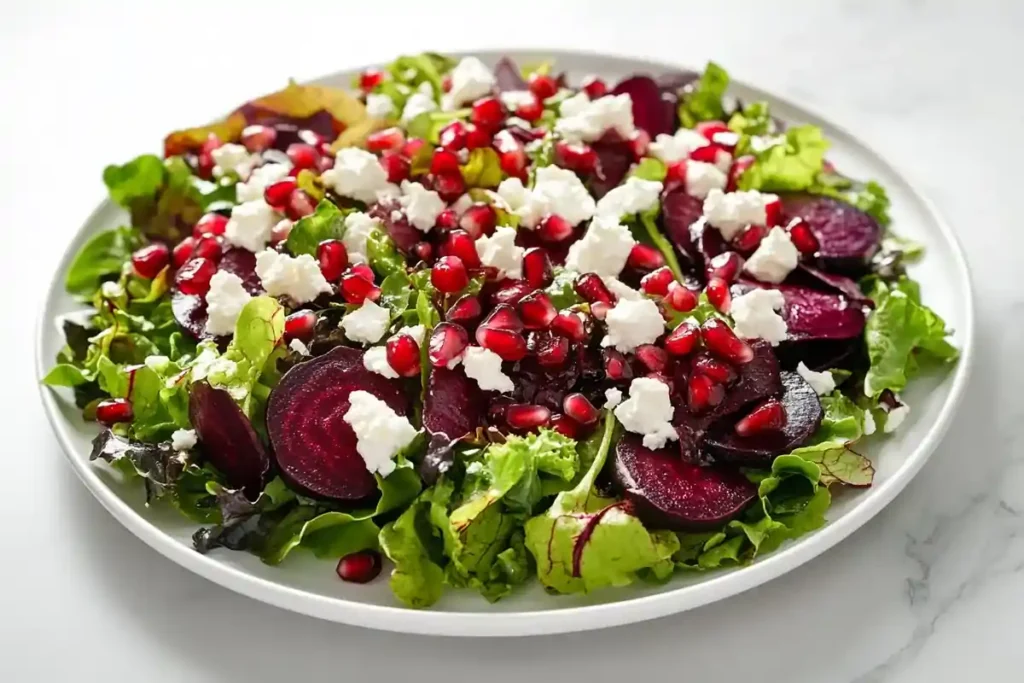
[848, 236]
[242, 262]
[315, 448]
[668, 493]
[811, 314]
[228, 439]
[190, 310]
[453, 404]
[398, 227]
[816, 278]
[614, 157]
[288, 127]
[679, 213]
[803, 417]
[651, 111]
[508, 76]
[821, 354]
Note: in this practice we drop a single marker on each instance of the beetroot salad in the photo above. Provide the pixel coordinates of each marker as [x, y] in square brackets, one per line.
[482, 326]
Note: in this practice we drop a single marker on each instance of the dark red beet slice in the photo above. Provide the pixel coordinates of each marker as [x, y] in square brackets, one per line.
[848, 236]
[228, 439]
[454, 404]
[811, 314]
[315, 448]
[557, 251]
[401, 231]
[679, 212]
[508, 76]
[803, 417]
[190, 310]
[651, 112]
[614, 156]
[821, 354]
[668, 493]
[807, 276]
[288, 127]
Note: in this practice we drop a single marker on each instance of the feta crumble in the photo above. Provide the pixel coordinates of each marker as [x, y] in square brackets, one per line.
[376, 360]
[471, 80]
[250, 225]
[673, 148]
[754, 314]
[417, 332]
[357, 174]
[513, 99]
[183, 439]
[555, 191]
[604, 249]
[895, 417]
[299, 347]
[500, 251]
[636, 195]
[632, 323]
[586, 120]
[297, 277]
[422, 206]
[418, 103]
[379, 106]
[380, 432]
[869, 423]
[733, 211]
[612, 398]
[233, 158]
[367, 324]
[621, 290]
[648, 411]
[702, 178]
[259, 179]
[358, 227]
[484, 366]
[774, 259]
[224, 302]
[822, 382]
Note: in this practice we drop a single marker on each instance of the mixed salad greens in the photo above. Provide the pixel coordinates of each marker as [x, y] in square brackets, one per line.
[496, 327]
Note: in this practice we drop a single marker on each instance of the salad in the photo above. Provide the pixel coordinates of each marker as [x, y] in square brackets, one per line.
[485, 327]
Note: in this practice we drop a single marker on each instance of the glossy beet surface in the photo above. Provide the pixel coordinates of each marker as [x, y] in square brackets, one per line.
[848, 237]
[190, 309]
[228, 438]
[454, 404]
[812, 314]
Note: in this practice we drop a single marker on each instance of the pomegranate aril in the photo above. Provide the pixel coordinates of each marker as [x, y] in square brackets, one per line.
[449, 185]
[657, 282]
[680, 297]
[537, 311]
[370, 79]
[511, 155]
[257, 138]
[530, 111]
[592, 289]
[750, 238]
[705, 364]
[279, 233]
[579, 408]
[479, 220]
[711, 128]
[738, 168]
[444, 162]
[594, 87]
[803, 238]
[510, 292]
[770, 416]
[675, 174]
[211, 143]
[645, 257]
[453, 136]
[511, 346]
[424, 251]
[616, 367]
[461, 244]
[551, 350]
[210, 224]
[300, 325]
[639, 143]
[683, 339]
[487, 113]
[361, 567]
[542, 85]
[466, 310]
[355, 289]
[717, 291]
[448, 341]
[387, 140]
[565, 425]
[333, 259]
[576, 157]
[652, 357]
[208, 247]
[194, 276]
[524, 417]
[364, 271]
[702, 393]
[114, 410]
[723, 342]
[396, 166]
[412, 147]
[277, 194]
[571, 325]
[302, 155]
[446, 83]
[773, 212]
[726, 266]
[554, 228]
[150, 260]
[537, 270]
[300, 205]
[708, 153]
[478, 137]
[403, 355]
[183, 251]
[449, 275]
[503, 317]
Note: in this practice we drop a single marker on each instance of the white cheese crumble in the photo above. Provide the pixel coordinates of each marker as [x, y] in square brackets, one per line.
[259, 180]
[299, 347]
[484, 366]
[471, 79]
[417, 332]
[513, 99]
[822, 382]
[612, 398]
[376, 360]
[621, 290]
[733, 211]
[297, 277]
[636, 195]
[869, 423]
[358, 227]
[648, 411]
[233, 158]
[555, 191]
[632, 323]
[357, 174]
[380, 432]
[754, 314]
[379, 106]
[604, 249]
[775, 258]
[418, 103]
[367, 324]
[672, 148]
[250, 225]
[224, 302]
[702, 178]
[422, 206]
[586, 120]
[183, 439]
[895, 417]
[500, 251]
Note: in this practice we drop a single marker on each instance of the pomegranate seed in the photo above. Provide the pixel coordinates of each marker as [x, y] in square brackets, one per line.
[257, 138]
[302, 155]
[645, 257]
[576, 157]
[150, 260]
[446, 83]
[675, 174]
[449, 275]
[565, 425]
[803, 238]
[709, 154]
[773, 212]
[552, 351]
[599, 309]
[448, 342]
[720, 372]
[554, 228]
[570, 324]
[510, 292]
[683, 339]
[738, 168]
[194, 276]
[723, 342]
[727, 140]
[658, 282]
[524, 417]
[710, 128]
[387, 140]
[212, 142]
[114, 410]
[726, 266]
[639, 144]
[364, 271]
[594, 87]
[183, 251]
[616, 367]
[447, 219]
[511, 155]
[750, 238]
[412, 147]
[449, 185]
[487, 113]
[537, 269]
[537, 311]
[453, 136]
[424, 251]
[277, 194]
[355, 289]
[279, 233]
[653, 358]
[205, 165]
[208, 247]
[300, 325]
[403, 354]
[770, 416]
[542, 85]
[466, 310]
[311, 137]
[530, 111]
[680, 297]
[592, 289]
[370, 79]
[210, 224]
[478, 137]
[718, 294]
[702, 393]
[396, 166]
[503, 317]
[333, 258]
[300, 204]
[579, 408]
[479, 220]
[361, 567]
[510, 345]
[462, 245]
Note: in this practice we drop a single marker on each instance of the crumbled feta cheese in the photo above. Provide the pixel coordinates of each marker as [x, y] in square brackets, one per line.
[869, 423]
[701, 178]
[621, 290]
[299, 347]
[636, 195]
[513, 99]
[604, 249]
[357, 174]
[822, 382]
[755, 315]
[183, 439]
[475, 467]
[111, 289]
[555, 191]
[358, 227]
[422, 206]
[376, 360]
[632, 323]
[259, 179]
[612, 398]
[380, 432]
[648, 411]
[672, 148]
[233, 158]
[895, 417]
[250, 225]
[471, 79]
[584, 120]
[367, 324]
[297, 277]
[417, 332]
[500, 251]
[418, 103]
[775, 258]
[379, 106]
[733, 211]
[225, 300]
[484, 366]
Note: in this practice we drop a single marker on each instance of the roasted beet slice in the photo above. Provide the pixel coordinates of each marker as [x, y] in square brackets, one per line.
[315, 448]
[228, 439]
[808, 276]
[679, 212]
[848, 236]
[803, 416]
[821, 354]
[190, 310]
[508, 76]
[651, 111]
[668, 493]
[288, 127]
[614, 156]
[454, 404]
[401, 231]
[811, 314]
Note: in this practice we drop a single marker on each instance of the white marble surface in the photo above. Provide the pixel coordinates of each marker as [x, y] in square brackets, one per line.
[931, 590]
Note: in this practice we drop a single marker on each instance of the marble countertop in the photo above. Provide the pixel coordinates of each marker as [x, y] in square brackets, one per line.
[930, 590]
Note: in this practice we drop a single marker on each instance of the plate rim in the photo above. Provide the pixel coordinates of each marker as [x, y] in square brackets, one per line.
[545, 621]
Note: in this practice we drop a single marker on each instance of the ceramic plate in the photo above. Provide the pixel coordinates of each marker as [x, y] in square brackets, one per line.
[307, 585]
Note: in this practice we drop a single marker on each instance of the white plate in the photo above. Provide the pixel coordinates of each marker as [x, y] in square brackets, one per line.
[306, 585]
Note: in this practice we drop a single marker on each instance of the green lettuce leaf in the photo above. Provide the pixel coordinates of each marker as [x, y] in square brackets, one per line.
[417, 579]
[427, 126]
[382, 254]
[791, 164]
[651, 234]
[428, 67]
[703, 102]
[754, 119]
[326, 223]
[482, 169]
[100, 259]
[869, 196]
[649, 168]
